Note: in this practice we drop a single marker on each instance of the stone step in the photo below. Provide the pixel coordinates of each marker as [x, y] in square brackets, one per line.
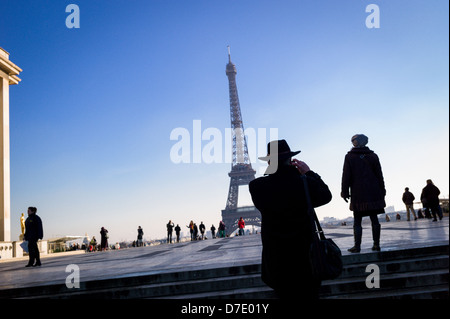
[132, 281]
[262, 292]
[417, 272]
[410, 279]
[415, 284]
[431, 292]
[386, 255]
[166, 290]
[397, 266]
[428, 292]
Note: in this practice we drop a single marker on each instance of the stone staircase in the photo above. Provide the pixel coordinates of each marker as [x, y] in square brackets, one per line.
[410, 273]
[404, 274]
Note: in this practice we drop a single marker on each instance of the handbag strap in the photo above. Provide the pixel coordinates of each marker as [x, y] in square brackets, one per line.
[311, 212]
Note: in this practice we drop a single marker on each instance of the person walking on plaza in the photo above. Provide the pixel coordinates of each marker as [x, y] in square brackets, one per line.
[213, 231]
[93, 244]
[408, 198]
[104, 239]
[202, 229]
[363, 184]
[195, 232]
[430, 198]
[221, 229]
[241, 226]
[177, 232]
[280, 196]
[191, 229]
[140, 236]
[33, 232]
[170, 226]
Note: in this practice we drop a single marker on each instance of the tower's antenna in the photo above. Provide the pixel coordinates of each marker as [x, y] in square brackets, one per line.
[229, 54]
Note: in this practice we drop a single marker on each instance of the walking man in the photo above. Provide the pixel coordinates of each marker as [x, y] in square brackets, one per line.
[170, 226]
[33, 232]
[241, 225]
[408, 198]
[202, 229]
[140, 237]
[430, 198]
[177, 232]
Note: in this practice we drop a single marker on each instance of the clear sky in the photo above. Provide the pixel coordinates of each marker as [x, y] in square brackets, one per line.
[90, 123]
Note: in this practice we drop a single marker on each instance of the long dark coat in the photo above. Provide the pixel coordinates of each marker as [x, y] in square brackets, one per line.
[408, 198]
[33, 228]
[286, 229]
[363, 182]
[430, 196]
[104, 237]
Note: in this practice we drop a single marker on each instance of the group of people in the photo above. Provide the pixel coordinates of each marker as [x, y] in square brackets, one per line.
[281, 195]
[93, 244]
[430, 202]
[196, 232]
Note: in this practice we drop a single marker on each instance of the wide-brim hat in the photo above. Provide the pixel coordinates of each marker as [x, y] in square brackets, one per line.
[278, 149]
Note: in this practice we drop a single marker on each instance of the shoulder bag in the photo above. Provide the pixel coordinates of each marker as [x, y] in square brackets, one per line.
[325, 255]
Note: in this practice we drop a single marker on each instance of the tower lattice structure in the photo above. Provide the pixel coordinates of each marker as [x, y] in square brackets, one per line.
[241, 172]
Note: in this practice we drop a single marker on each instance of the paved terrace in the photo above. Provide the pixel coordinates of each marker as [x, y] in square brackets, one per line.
[212, 253]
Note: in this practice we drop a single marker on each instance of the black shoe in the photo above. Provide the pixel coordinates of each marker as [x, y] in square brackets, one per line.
[37, 265]
[354, 249]
[376, 247]
[29, 265]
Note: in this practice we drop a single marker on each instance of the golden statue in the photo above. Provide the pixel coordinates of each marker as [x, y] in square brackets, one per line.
[22, 224]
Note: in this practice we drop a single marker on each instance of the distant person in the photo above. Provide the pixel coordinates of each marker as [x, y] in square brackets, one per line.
[93, 244]
[387, 218]
[195, 232]
[398, 217]
[202, 229]
[430, 198]
[140, 237]
[213, 231]
[104, 239]
[241, 226]
[280, 197]
[33, 232]
[191, 229]
[408, 199]
[363, 184]
[170, 226]
[177, 232]
[221, 229]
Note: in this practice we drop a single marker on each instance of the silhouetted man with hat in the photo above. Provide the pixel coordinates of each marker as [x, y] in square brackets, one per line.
[280, 197]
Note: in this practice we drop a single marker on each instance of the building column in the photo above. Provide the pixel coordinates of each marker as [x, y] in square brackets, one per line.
[8, 76]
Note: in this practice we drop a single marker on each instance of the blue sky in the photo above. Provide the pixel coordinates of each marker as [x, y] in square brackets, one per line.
[91, 120]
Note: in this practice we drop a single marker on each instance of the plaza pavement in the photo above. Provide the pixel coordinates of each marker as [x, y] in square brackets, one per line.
[206, 254]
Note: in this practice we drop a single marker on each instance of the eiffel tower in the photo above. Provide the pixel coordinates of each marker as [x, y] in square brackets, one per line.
[242, 172]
